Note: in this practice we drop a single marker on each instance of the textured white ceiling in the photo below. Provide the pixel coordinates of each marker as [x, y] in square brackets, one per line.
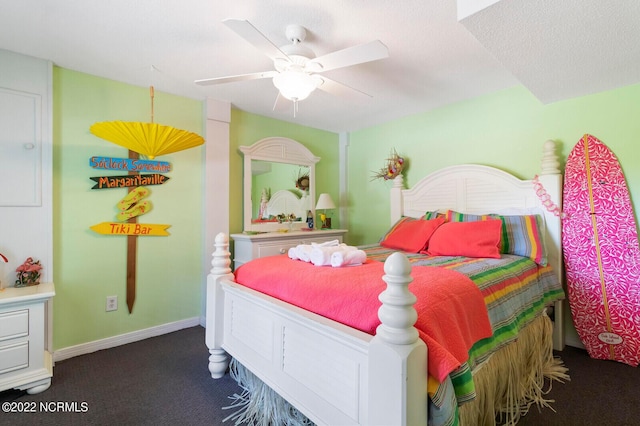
[557, 49]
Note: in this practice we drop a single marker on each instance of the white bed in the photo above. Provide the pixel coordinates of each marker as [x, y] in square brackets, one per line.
[338, 375]
[287, 202]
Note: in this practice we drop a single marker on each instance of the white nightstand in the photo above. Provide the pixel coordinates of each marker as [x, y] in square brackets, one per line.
[25, 338]
[248, 246]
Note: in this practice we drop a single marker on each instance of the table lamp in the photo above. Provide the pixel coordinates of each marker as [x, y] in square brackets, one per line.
[324, 203]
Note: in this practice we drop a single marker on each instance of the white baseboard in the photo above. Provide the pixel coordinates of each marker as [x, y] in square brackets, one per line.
[123, 339]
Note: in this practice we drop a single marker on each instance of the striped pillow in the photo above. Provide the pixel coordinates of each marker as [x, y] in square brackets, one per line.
[432, 215]
[521, 234]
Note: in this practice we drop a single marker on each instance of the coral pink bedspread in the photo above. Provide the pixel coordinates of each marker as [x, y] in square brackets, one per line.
[452, 314]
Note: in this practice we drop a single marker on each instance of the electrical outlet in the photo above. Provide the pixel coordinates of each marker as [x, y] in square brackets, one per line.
[112, 303]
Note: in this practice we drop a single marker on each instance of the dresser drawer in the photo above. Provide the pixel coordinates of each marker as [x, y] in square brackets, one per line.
[14, 356]
[25, 339]
[273, 249]
[14, 324]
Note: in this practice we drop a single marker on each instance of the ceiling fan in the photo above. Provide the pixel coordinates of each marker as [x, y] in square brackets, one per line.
[297, 68]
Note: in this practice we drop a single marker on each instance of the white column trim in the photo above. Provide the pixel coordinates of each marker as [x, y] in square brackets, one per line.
[216, 180]
[343, 161]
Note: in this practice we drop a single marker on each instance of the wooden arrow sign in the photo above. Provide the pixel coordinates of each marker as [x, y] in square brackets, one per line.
[126, 228]
[126, 181]
[129, 164]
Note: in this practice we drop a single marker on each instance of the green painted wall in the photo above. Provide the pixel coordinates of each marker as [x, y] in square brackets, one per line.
[505, 129]
[88, 266]
[247, 129]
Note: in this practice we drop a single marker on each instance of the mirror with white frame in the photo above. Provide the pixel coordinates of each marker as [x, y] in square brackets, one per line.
[279, 185]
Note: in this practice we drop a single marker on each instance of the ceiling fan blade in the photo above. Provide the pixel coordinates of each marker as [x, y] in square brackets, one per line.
[359, 54]
[251, 34]
[342, 90]
[239, 77]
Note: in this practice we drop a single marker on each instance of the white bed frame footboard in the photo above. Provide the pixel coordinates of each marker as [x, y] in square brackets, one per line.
[336, 375]
[333, 374]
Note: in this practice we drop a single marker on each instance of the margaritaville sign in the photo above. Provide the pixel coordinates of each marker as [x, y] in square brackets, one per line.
[127, 181]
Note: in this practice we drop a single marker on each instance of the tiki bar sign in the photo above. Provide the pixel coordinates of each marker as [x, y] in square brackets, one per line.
[113, 228]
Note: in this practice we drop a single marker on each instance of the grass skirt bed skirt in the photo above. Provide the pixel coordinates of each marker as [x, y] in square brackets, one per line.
[528, 363]
[531, 369]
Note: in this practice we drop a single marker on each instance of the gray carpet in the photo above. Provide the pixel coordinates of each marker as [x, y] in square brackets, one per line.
[158, 381]
[600, 393]
[164, 381]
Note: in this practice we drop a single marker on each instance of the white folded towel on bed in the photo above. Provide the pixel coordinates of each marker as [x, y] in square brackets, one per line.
[293, 253]
[348, 258]
[321, 256]
[303, 251]
[330, 243]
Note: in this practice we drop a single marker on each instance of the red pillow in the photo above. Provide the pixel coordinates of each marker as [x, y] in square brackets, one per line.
[411, 235]
[470, 239]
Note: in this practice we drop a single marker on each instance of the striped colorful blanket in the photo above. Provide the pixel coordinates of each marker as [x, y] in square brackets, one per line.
[515, 291]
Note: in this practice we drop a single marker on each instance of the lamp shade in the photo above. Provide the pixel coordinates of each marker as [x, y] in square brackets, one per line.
[325, 202]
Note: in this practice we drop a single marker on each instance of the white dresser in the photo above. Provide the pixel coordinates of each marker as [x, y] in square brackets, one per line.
[252, 246]
[25, 338]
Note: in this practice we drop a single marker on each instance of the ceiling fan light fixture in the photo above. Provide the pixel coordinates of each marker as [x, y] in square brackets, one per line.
[296, 85]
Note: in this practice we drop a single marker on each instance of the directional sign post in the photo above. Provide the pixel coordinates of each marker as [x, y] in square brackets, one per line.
[151, 140]
[132, 251]
[131, 228]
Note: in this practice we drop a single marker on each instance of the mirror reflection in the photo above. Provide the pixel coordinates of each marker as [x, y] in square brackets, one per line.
[279, 192]
[279, 179]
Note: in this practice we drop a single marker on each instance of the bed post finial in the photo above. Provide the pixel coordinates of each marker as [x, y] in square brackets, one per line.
[397, 356]
[550, 164]
[397, 314]
[218, 358]
[221, 260]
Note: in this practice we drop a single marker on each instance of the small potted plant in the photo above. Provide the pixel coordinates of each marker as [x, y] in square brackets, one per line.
[28, 273]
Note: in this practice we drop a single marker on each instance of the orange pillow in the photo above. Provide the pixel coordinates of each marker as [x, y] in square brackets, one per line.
[411, 235]
[470, 239]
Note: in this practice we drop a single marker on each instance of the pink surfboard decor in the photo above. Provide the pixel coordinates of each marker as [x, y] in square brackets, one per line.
[601, 253]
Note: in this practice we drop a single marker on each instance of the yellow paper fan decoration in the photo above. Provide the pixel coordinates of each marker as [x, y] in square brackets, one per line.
[148, 139]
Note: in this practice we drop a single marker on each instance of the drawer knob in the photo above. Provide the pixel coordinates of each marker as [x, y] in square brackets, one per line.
[282, 251]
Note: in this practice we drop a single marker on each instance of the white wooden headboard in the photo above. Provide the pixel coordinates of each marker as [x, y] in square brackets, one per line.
[285, 201]
[481, 189]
